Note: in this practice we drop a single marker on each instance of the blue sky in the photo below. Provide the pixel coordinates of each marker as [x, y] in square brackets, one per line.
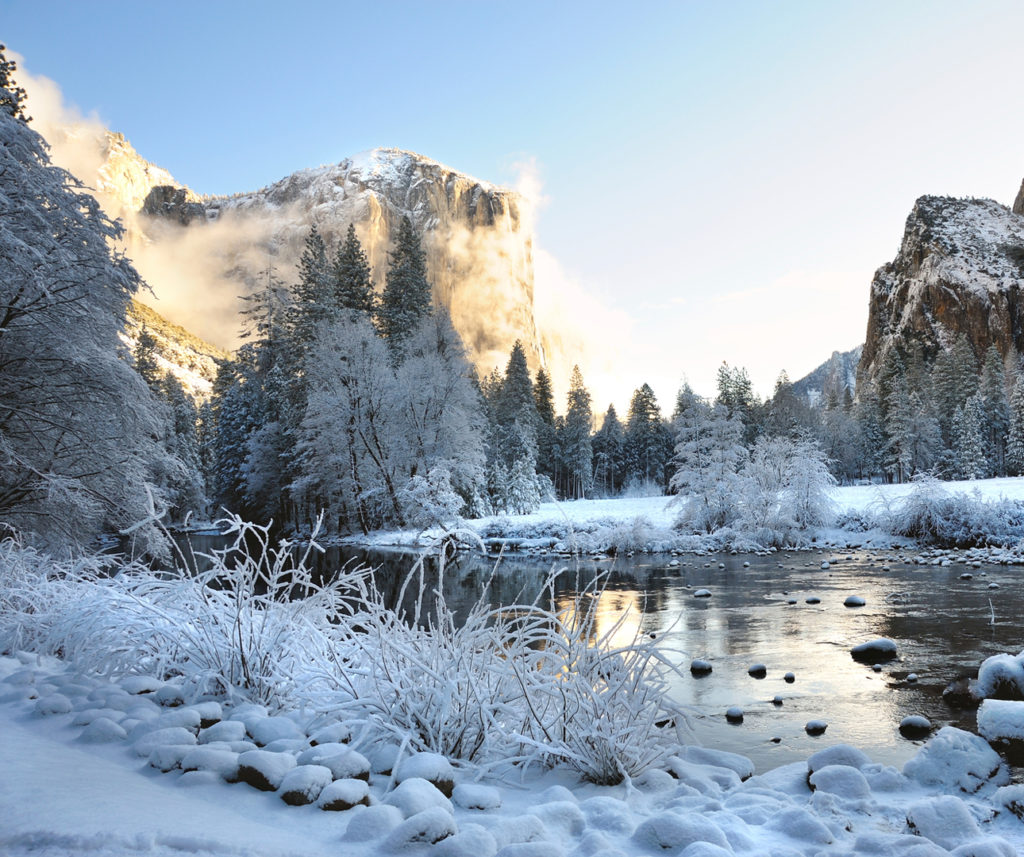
[720, 179]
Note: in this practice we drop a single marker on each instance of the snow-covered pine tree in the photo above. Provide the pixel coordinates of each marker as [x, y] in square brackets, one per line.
[968, 442]
[1015, 438]
[647, 442]
[954, 381]
[77, 423]
[708, 457]
[407, 297]
[353, 286]
[547, 441]
[736, 393]
[145, 358]
[577, 451]
[996, 411]
[607, 445]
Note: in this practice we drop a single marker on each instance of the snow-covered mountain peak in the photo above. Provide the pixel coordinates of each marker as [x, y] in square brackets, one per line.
[959, 271]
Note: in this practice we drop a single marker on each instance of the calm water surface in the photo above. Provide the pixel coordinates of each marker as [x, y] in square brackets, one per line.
[943, 626]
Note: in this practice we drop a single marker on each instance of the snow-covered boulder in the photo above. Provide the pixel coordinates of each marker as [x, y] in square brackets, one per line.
[915, 726]
[432, 767]
[416, 795]
[225, 730]
[269, 729]
[476, 796]
[303, 784]
[53, 703]
[102, 730]
[840, 754]
[875, 651]
[342, 795]
[372, 822]
[1001, 677]
[423, 828]
[264, 770]
[945, 820]
[957, 760]
[222, 762]
[145, 745]
[673, 832]
[343, 762]
[741, 765]
[841, 780]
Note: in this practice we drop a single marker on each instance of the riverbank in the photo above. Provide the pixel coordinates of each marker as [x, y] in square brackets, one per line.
[648, 523]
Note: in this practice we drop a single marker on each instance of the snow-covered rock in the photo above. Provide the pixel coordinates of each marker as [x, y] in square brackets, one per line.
[957, 760]
[432, 767]
[303, 784]
[264, 770]
[945, 820]
[343, 762]
[416, 795]
[875, 651]
[476, 796]
[342, 795]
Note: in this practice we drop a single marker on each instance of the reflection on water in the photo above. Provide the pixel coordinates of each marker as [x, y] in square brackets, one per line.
[943, 626]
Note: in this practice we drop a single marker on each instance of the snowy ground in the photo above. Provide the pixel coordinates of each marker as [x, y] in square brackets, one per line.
[652, 517]
[73, 784]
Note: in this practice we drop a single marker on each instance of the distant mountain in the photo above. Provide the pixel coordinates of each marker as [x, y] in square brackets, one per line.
[201, 252]
[187, 357]
[959, 270]
[838, 373]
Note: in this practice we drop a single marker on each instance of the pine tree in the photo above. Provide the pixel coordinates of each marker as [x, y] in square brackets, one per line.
[736, 394]
[646, 450]
[313, 298]
[1015, 439]
[547, 442]
[407, 293]
[996, 414]
[145, 359]
[576, 447]
[954, 381]
[607, 445]
[968, 443]
[353, 286]
[12, 96]
[708, 455]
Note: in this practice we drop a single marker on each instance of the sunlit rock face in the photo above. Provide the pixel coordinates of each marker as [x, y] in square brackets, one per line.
[476, 237]
[1018, 203]
[960, 269]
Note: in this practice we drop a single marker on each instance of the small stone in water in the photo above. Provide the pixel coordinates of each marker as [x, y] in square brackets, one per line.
[915, 726]
[814, 599]
[777, 700]
[700, 667]
[816, 727]
[734, 714]
[912, 678]
[789, 678]
[854, 601]
[746, 565]
[757, 671]
[876, 667]
[825, 564]
[702, 593]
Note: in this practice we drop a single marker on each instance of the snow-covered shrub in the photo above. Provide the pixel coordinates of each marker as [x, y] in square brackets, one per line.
[430, 501]
[929, 513]
[597, 693]
[254, 622]
[434, 683]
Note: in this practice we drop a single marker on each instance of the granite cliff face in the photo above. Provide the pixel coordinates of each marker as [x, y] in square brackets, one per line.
[959, 270]
[1018, 203]
[476, 236]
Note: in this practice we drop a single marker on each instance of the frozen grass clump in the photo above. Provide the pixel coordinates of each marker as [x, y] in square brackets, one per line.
[555, 681]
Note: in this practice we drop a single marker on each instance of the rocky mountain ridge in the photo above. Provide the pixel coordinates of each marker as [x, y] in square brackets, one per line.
[838, 373]
[959, 270]
[210, 249]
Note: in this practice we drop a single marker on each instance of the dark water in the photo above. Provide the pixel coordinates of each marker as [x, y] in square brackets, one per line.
[943, 626]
